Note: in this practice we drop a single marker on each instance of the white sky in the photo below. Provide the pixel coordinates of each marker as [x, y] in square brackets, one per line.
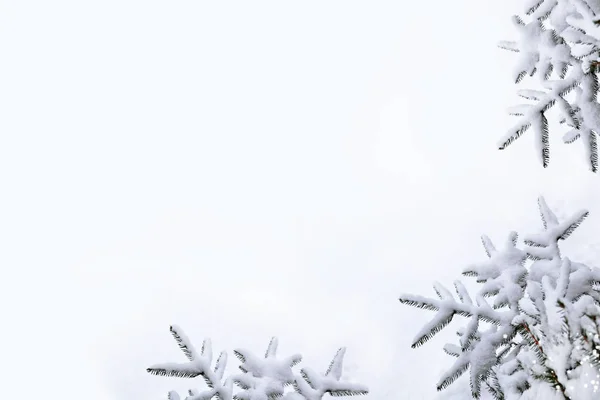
[249, 169]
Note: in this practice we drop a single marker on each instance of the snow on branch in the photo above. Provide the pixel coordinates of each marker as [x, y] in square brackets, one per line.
[539, 306]
[446, 307]
[560, 37]
[545, 245]
[314, 385]
[262, 378]
[198, 365]
[266, 375]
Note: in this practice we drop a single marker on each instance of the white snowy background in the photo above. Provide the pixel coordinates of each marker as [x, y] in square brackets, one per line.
[250, 169]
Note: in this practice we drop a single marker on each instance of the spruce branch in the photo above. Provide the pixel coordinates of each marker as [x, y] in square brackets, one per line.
[262, 378]
[314, 386]
[541, 303]
[560, 37]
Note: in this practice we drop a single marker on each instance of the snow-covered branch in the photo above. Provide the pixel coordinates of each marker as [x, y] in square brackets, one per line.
[262, 378]
[560, 37]
[540, 306]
